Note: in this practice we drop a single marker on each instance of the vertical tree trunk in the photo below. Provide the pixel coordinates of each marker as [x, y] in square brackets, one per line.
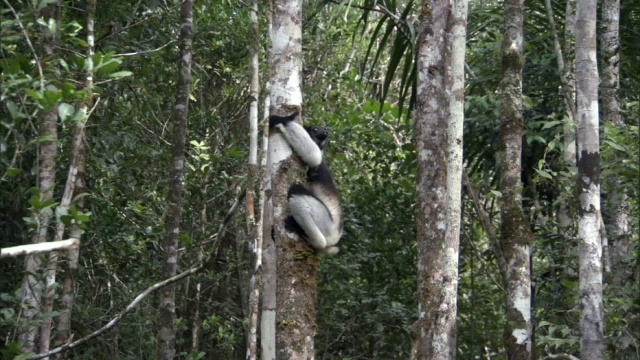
[431, 341]
[515, 235]
[49, 293]
[253, 229]
[75, 183]
[32, 288]
[439, 116]
[296, 265]
[589, 246]
[195, 320]
[167, 315]
[609, 85]
[569, 75]
[567, 91]
[454, 83]
[566, 66]
[269, 269]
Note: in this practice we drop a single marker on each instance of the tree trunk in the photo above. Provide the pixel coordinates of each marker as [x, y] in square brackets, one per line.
[75, 183]
[589, 246]
[566, 66]
[253, 229]
[454, 86]
[195, 319]
[167, 315]
[269, 269]
[568, 51]
[567, 90]
[32, 287]
[49, 293]
[296, 265]
[609, 85]
[515, 234]
[439, 116]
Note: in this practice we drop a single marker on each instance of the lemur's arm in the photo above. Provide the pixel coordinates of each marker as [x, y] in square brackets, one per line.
[298, 138]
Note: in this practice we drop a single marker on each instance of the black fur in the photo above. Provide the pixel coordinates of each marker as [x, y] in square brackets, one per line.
[319, 135]
[277, 120]
[291, 225]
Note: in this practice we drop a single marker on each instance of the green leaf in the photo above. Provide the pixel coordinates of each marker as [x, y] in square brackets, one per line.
[550, 124]
[66, 219]
[51, 97]
[36, 95]
[544, 174]
[13, 110]
[235, 153]
[614, 145]
[121, 74]
[13, 172]
[40, 139]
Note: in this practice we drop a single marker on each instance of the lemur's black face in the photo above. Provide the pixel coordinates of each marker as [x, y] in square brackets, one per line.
[319, 135]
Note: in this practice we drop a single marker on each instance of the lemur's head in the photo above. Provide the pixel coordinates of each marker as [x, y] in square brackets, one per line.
[319, 135]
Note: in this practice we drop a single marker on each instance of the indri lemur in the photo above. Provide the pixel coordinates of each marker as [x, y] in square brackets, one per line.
[316, 214]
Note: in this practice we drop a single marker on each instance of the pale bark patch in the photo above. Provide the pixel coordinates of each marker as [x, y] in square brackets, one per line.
[521, 336]
[521, 301]
[425, 154]
[279, 152]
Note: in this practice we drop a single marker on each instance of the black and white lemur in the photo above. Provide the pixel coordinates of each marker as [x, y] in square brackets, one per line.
[316, 214]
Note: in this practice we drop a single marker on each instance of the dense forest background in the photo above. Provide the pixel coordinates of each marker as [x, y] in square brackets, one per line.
[358, 69]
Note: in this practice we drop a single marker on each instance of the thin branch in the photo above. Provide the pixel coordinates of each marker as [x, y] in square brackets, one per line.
[145, 51]
[486, 224]
[26, 36]
[106, 36]
[484, 268]
[39, 248]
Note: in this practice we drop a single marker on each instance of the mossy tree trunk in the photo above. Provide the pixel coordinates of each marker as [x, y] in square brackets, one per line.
[516, 240]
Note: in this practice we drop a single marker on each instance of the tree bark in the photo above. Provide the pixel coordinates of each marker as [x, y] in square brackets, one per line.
[617, 203]
[567, 91]
[44, 337]
[297, 264]
[253, 228]
[166, 334]
[74, 184]
[568, 51]
[589, 246]
[32, 288]
[269, 269]
[439, 117]
[515, 234]
[566, 66]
